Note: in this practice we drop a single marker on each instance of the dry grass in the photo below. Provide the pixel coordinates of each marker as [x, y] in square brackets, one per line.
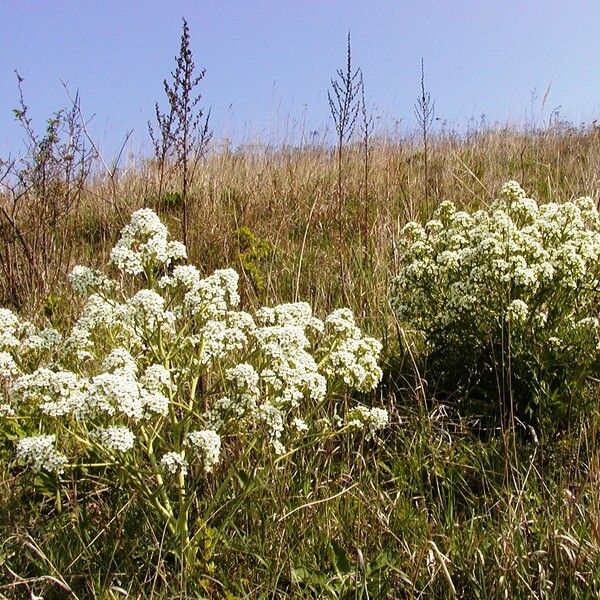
[287, 196]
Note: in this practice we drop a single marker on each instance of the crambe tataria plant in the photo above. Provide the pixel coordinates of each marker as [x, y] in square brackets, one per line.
[507, 301]
[158, 383]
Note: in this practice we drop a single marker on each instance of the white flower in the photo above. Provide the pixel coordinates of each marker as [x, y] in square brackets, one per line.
[112, 393]
[154, 402]
[97, 312]
[174, 463]
[8, 367]
[176, 251]
[80, 343]
[115, 438]
[373, 419]
[157, 378]
[6, 410]
[356, 362]
[46, 339]
[300, 425]
[241, 320]
[186, 276]
[517, 312]
[213, 296]
[57, 393]
[353, 357]
[291, 371]
[127, 260]
[121, 362]
[39, 452]
[208, 442]
[414, 231]
[244, 376]
[453, 283]
[83, 279]
[8, 328]
[297, 313]
[219, 339]
[144, 223]
[513, 190]
[147, 310]
[273, 419]
[341, 322]
[280, 340]
[143, 244]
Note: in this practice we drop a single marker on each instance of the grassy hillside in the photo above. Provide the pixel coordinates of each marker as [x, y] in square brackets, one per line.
[439, 506]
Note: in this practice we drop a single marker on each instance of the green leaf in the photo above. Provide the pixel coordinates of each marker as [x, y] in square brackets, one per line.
[339, 558]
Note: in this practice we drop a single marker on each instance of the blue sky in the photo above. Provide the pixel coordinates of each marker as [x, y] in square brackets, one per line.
[268, 62]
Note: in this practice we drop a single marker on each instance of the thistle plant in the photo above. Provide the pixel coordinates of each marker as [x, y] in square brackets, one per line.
[507, 301]
[162, 379]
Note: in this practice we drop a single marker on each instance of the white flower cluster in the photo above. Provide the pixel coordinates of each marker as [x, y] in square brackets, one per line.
[174, 463]
[354, 357]
[291, 373]
[55, 393]
[300, 425]
[121, 439]
[146, 310]
[9, 323]
[221, 337]
[208, 443]
[44, 339]
[144, 244]
[530, 269]
[211, 297]
[517, 312]
[370, 419]
[85, 280]
[171, 367]
[120, 393]
[297, 314]
[39, 453]
[114, 393]
[291, 370]
[8, 367]
[157, 378]
[245, 377]
[120, 361]
[516, 250]
[99, 314]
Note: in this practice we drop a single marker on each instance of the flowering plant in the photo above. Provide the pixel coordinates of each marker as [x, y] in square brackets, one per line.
[507, 299]
[157, 383]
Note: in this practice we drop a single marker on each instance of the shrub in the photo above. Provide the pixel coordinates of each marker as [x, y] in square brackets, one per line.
[506, 299]
[253, 254]
[162, 381]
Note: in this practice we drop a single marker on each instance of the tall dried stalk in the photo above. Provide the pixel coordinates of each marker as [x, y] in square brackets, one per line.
[344, 105]
[366, 126]
[183, 131]
[425, 113]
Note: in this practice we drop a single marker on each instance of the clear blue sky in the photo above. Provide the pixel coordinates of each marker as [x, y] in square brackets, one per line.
[268, 62]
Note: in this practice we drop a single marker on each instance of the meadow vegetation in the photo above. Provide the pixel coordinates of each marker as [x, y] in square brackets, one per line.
[334, 402]
[443, 502]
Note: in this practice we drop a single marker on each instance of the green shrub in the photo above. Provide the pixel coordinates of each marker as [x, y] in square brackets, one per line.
[506, 299]
[170, 200]
[253, 254]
